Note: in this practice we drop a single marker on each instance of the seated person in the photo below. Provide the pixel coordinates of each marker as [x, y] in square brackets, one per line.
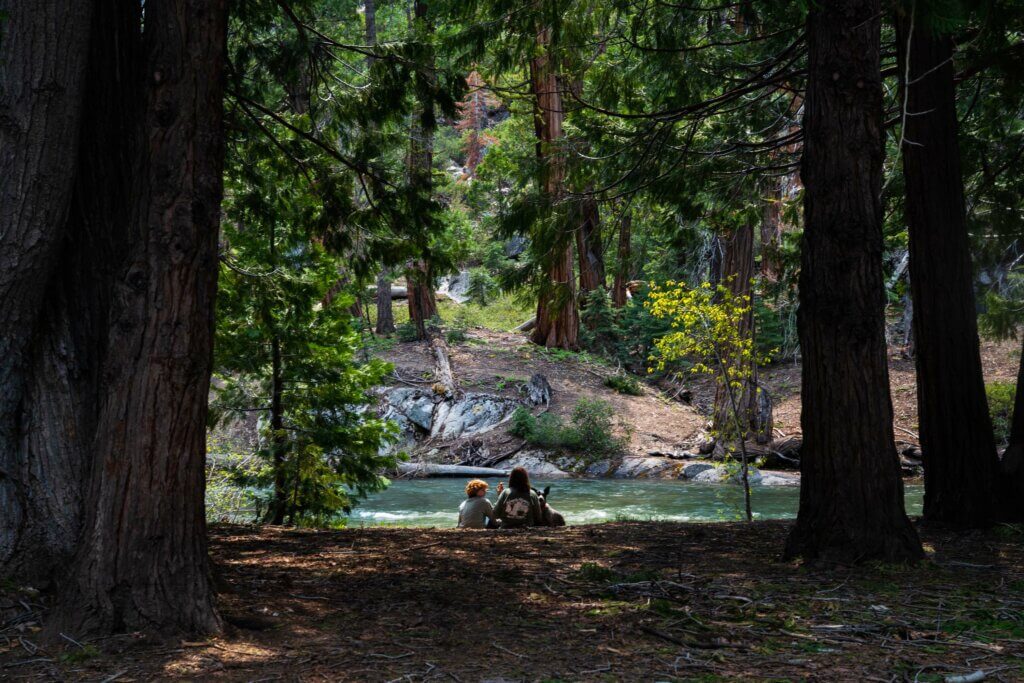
[476, 512]
[518, 505]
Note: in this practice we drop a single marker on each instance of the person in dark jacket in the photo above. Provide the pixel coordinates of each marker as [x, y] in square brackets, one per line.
[518, 505]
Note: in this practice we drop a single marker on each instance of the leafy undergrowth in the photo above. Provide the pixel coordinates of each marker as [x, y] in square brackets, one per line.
[622, 601]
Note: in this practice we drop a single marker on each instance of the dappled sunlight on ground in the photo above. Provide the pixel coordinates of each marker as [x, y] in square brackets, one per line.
[625, 601]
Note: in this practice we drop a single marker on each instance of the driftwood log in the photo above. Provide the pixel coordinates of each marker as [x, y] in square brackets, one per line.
[444, 378]
[426, 469]
[527, 326]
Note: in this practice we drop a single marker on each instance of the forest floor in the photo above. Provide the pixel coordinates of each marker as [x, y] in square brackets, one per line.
[623, 601]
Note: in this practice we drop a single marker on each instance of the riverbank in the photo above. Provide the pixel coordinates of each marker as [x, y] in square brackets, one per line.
[621, 601]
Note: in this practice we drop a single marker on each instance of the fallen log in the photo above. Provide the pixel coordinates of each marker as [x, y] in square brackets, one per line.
[444, 378]
[527, 326]
[397, 292]
[426, 469]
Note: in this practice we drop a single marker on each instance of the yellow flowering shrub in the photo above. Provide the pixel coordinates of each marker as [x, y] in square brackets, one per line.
[705, 329]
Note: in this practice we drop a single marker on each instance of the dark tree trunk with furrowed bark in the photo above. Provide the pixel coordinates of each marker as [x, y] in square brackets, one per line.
[851, 495]
[557, 315]
[42, 78]
[1012, 471]
[385, 312]
[152, 572]
[422, 301]
[109, 355]
[960, 461]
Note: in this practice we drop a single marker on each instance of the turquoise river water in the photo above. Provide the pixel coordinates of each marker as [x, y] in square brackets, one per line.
[434, 502]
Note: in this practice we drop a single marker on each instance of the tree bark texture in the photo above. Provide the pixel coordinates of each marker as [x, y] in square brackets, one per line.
[771, 227]
[557, 314]
[851, 495]
[1012, 488]
[422, 301]
[385, 312]
[622, 261]
[42, 80]
[104, 450]
[960, 461]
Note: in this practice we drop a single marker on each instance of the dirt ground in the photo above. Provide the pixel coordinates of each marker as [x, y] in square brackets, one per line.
[498, 362]
[493, 362]
[614, 602]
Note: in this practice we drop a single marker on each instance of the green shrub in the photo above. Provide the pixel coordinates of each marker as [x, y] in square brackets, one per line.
[1000, 406]
[591, 428]
[599, 332]
[483, 288]
[456, 332]
[406, 332]
[624, 384]
[589, 431]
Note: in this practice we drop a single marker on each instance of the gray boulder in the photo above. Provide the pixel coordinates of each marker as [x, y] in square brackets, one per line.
[642, 468]
[721, 475]
[537, 465]
[691, 471]
[471, 414]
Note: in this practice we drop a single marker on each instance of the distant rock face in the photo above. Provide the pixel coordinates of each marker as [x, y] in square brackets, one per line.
[537, 465]
[471, 414]
[456, 287]
[642, 468]
[691, 471]
[720, 475]
[421, 412]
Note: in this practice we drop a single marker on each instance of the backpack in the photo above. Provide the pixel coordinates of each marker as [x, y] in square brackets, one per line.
[517, 509]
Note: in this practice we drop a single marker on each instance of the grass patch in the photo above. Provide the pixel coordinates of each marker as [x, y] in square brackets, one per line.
[502, 314]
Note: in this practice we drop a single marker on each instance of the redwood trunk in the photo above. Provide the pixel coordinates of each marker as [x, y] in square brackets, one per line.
[422, 302]
[1012, 489]
[141, 561]
[622, 262]
[960, 461]
[851, 495]
[557, 314]
[419, 276]
[738, 270]
[43, 51]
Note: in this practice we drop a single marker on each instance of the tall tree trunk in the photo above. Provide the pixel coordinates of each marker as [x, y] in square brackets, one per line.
[622, 261]
[589, 247]
[43, 54]
[771, 227]
[385, 312]
[557, 314]
[738, 269]
[422, 302]
[851, 495]
[141, 561]
[277, 439]
[1012, 488]
[960, 461]
[419, 274]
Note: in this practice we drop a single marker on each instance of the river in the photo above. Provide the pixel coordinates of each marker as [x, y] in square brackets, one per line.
[434, 502]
